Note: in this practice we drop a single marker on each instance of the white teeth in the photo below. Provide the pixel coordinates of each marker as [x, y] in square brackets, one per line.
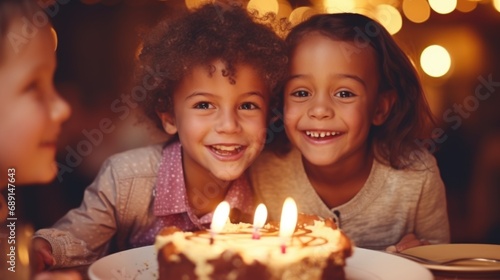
[227, 148]
[321, 134]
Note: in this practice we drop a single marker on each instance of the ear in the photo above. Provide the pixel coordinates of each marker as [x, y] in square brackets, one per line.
[385, 102]
[168, 122]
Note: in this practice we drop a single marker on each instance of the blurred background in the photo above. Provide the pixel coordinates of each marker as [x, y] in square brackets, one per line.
[454, 44]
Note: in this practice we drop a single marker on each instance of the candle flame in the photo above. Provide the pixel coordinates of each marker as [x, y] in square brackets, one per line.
[260, 217]
[288, 218]
[220, 217]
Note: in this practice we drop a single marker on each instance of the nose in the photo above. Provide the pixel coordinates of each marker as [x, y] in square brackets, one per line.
[227, 122]
[320, 108]
[59, 108]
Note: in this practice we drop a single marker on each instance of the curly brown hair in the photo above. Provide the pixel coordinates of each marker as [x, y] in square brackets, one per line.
[212, 32]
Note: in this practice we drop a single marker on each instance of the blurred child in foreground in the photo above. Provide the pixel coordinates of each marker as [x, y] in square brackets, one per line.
[32, 110]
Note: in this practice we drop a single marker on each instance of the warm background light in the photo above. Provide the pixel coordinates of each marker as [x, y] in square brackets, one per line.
[435, 61]
[466, 6]
[416, 10]
[496, 5]
[192, 4]
[335, 6]
[300, 14]
[389, 17]
[263, 6]
[443, 6]
[284, 9]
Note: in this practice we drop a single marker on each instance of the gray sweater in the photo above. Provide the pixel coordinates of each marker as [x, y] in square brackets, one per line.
[391, 204]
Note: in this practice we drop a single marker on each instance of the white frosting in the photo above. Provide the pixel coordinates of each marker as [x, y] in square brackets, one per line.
[321, 242]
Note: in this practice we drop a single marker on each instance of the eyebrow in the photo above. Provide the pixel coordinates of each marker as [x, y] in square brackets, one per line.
[349, 76]
[200, 93]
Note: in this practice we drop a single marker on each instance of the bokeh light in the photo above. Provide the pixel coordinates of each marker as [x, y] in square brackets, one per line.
[263, 6]
[193, 4]
[466, 6]
[300, 14]
[417, 11]
[335, 6]
[435, 61]
[443, 6]
[496, 5]
[284, 9]
[389, 17]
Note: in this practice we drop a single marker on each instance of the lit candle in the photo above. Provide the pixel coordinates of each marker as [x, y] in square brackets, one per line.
[288, 222]
[259, 219]
[219, 219]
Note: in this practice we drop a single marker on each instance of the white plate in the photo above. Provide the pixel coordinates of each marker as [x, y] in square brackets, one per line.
[370, 265]
[140, 264]
[450, 251]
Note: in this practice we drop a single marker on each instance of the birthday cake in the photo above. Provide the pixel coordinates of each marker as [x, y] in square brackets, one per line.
[316, 250]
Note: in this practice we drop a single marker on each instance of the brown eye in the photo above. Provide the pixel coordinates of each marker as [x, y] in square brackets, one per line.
[344, 94]
[203, 105]
[249, 106]
[300, 93]
[31, 87]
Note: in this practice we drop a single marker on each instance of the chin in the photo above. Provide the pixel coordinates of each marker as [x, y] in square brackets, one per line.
[228, 176]
[42, 177]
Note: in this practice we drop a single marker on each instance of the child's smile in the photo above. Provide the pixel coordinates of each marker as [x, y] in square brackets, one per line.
[329, 110]
[221, 125]
[322, 135]
[227, 152]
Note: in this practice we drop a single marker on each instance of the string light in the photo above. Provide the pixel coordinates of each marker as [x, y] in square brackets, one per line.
[435, 61]
[417, 11]
[389, 17]
[496, 5]
[443, 6]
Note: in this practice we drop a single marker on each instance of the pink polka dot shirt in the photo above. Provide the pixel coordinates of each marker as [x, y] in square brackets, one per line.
[171, 206]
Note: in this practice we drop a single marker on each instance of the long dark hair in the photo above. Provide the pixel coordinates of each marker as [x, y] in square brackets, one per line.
[395, 141]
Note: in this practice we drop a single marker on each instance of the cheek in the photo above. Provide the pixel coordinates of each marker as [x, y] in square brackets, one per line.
[292, 113]
[20, 148]
[256, 126]
[21, 131]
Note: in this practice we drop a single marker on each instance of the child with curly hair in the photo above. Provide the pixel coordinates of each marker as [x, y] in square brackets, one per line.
[216, 72]
[354, 111]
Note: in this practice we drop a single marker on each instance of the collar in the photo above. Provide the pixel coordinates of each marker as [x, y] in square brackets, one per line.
[171, 195]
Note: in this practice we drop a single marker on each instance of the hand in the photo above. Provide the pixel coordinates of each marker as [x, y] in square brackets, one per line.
[58, 275]
[408, 241]
[41, 255]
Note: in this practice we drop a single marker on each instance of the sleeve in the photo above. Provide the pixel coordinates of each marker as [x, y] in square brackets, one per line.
[83, 234]
[432, 215]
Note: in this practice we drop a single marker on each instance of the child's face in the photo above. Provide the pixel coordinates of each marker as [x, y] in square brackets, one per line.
[330, 100]
[31, 109]
[221, 126]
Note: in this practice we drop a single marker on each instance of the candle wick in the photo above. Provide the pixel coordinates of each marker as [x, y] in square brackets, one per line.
[283, 248]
